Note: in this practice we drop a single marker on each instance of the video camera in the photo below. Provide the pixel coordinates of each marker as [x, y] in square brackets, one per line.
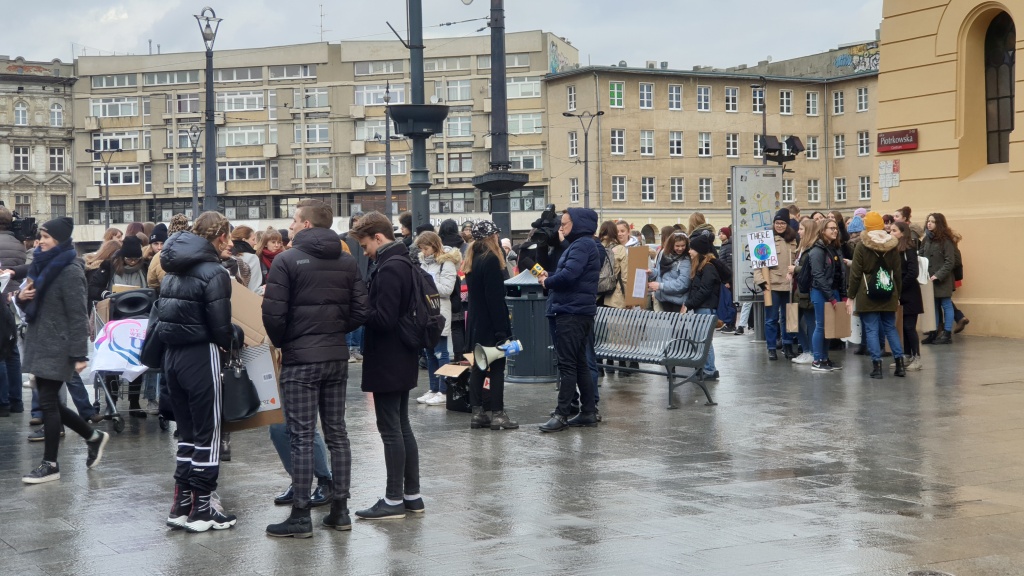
[22, 228]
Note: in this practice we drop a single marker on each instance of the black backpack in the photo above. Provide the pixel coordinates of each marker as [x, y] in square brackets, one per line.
[8, 330]
[421, 326]
[879, 284]
[607, 282]
[804, 280]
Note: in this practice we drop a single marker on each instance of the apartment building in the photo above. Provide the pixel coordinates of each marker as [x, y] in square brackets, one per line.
[302, 121]
[667, 140]
[35, 137]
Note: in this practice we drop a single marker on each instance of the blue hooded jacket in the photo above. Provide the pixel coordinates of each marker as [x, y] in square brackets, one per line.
[573, 285]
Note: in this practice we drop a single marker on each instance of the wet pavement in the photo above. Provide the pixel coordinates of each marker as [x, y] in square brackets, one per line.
[793, 473]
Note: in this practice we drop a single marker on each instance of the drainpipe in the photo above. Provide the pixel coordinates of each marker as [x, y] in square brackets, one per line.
[600, 158]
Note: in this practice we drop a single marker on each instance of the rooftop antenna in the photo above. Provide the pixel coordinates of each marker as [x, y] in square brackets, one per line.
[150, 46]
[322, 29]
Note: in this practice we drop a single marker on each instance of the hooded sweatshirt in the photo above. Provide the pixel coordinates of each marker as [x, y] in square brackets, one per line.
[573, 285]
[876, 249]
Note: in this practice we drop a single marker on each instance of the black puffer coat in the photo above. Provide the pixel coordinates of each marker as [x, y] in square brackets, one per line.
[705, 288]
[388, 364]
[195, 294]
[314, 296]
[488, 313]
[910, 296]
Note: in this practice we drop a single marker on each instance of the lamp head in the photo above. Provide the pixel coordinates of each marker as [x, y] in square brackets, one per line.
[568, 114]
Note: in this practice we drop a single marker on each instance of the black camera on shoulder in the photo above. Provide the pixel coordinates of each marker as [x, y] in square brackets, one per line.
[22, 228]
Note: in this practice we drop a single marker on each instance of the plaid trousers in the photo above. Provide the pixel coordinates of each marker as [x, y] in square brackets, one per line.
[305, 390]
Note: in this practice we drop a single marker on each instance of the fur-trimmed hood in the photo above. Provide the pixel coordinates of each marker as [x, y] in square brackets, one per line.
[879, 240]
[448, 254]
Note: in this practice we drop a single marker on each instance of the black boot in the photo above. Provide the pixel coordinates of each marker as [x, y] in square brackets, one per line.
[930, 339]
[323, 494]
[773, 355]
[338, 518]
[298, 525]
[501, 420]
[876, 369]
[556, 423]
[944, 338]
[862, 350]
[480, 419]
[901, 367]
[225, 447]
[787, 351]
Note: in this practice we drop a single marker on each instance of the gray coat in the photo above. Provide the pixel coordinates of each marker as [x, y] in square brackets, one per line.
[941, 260]
[60, 332]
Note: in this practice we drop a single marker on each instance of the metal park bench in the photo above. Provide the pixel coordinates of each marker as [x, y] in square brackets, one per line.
[668, 339]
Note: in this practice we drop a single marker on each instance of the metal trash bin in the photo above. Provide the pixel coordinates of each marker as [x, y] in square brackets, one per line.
[527, 306]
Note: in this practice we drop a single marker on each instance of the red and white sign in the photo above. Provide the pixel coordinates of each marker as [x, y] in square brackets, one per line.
[897, 141]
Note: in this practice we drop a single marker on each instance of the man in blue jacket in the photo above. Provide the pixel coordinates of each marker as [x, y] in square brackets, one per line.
[572, 301]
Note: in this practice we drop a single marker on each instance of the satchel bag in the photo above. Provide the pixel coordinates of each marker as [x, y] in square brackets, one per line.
[239, 396]
[152, 353]
[922, 270]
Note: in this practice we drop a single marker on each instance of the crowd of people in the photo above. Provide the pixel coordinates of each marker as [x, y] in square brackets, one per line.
[332, 300]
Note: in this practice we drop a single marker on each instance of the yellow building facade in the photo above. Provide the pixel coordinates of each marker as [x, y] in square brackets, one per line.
[948, 70]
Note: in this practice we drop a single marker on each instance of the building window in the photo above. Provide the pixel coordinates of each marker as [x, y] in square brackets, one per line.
[788, 195]
[372, 129]
[675, 143]
[785, 102]
[647, 142]
[520, 60]
[315, 133]
[647, 187]
[862, 99]
[704, 98]
[147, 179]
[162, 78]
[114, 81]
[242, 170]
[315, 168]
[757, 100]
[275, 176]
[728, 189]
[812, 103]
[56, 115]
[446, 64]
[570, 97]
[526, 159]
[57, 156]
[251, 74]
[117, 175]
[21, 157]
[310, 98]
[574, 190]
[812, 148]
[839, 146]
[618, 188]
[704, 144]
[1000, 64]
[838, 103]
[525, 124]
[732, 145]
[457, 162]
[615, 99]
[865, 187]
[183, 104]
[21, 114]
[379, 67]
[704, 190]
[23, 204]
[646, 96]
[58, 206]
[377, 165]
[458, 126]
[840, 189]
[677, 189]
[618, 144]
[863, 143]
[813, 191]
[272, 104]
[182, 174]
[373, 94]
[292, 71]
[453, 90]
[757, 146]
[523, 87]
[574, 144]
[732, 99]
[238, 101]
[241, 136]
[675, 96]
[114, 107]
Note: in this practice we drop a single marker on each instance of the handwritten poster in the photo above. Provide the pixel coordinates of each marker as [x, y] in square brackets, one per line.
[761, 245]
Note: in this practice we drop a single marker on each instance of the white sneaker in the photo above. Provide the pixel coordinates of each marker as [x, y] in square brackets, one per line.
[437, 400]
[805, 358]
[914, 364]
[423, 399]
[153, 407]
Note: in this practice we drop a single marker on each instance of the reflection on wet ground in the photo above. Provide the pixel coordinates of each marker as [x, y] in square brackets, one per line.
[794, 473]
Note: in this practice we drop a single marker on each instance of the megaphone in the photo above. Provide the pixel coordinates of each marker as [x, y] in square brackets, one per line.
[485, 355]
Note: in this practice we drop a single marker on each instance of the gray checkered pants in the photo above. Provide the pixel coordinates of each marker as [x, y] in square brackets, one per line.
[305, 390]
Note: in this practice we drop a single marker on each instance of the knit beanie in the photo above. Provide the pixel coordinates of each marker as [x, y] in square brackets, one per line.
[725, 231]
[130, 248]
[873, 221]
[59, 228]
[856, 225]
[700, 243]
[860, 212]
[782, 214]
[159, 233]
[179, 222]
[483, 229]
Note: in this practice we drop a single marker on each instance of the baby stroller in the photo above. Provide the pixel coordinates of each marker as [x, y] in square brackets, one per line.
[111, 384]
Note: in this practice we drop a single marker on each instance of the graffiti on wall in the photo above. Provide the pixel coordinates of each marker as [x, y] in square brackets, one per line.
[27, 69]
[557, 62]
[862, 58]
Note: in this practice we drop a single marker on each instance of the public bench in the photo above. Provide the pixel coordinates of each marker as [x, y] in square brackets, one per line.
[667, 339]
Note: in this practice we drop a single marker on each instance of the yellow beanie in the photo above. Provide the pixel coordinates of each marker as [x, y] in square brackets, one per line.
[873, 221]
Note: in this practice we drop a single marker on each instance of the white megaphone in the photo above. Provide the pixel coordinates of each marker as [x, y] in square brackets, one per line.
[485, 355]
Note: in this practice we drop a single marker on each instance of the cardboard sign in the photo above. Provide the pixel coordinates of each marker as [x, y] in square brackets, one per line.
[453, 370]
[118, 288]
[761, 246]
[247, 312]
[637, 260]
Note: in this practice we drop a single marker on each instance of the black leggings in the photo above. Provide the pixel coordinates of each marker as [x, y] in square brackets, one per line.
[55, 416]
[911, 343]
[496, 372]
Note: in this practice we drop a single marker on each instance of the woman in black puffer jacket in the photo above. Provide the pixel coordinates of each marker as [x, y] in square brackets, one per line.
[194, 324]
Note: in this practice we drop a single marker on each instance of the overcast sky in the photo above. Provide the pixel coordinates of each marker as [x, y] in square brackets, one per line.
[685, 33]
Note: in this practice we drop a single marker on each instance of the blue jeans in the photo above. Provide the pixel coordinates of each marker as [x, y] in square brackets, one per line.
[775, 318]
[819, 300]
[10, 381]
[944, 313]
[885, 322]
[150, 385]
[354, 340]
[709, 365]
[439, 357]
[805, 329]
[79, 396]
[282, 441]
[726, 307]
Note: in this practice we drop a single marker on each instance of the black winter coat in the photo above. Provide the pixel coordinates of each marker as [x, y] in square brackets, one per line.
[488, 314]
[910, 297]
[388, 364]
[827, 269]
[12, 254]
[195, 294]
[705, 288]
[314, 296]
[99, 281]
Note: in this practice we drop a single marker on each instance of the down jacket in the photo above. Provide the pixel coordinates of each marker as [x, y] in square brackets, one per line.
[675, 283]
[314, 296]
[445, 271]
[195, 295]
[875, 249]
[573, 285]
[705, 288]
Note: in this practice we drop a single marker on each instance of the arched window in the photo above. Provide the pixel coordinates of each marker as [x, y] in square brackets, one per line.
[21, 114]
[1000, 42]
[56, 115]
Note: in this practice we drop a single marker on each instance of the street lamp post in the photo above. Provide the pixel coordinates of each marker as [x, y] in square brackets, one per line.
[388, 210]
[106, 178]
[764, 116]
[208, 26]
[589, 117]
[194, 133]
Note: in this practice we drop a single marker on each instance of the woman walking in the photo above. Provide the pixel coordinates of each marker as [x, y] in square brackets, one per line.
[489, 323]
[670, 277]
[910, 295]
[875, 282]
[938, 248]
[705, 287]
[54, 302]
[778, 279]
[828, 287]
[442, 263]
